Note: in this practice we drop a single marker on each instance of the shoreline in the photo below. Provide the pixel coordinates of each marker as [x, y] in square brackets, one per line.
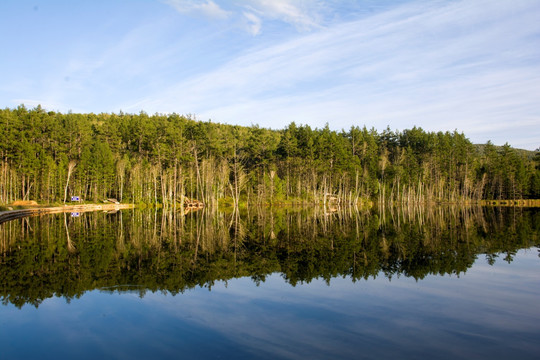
[9, 215]
[20, 213]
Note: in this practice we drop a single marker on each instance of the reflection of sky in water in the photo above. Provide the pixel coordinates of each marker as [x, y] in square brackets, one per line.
[489, 312]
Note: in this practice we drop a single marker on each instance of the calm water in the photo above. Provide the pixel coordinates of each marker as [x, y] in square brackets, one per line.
[443, 283]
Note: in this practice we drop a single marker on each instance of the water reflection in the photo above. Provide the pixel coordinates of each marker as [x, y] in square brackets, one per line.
[140, 251]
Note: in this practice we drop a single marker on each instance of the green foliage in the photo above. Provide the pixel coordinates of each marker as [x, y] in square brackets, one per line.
[162, 158]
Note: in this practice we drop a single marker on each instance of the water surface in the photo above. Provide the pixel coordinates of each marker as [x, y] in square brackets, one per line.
[443, 283]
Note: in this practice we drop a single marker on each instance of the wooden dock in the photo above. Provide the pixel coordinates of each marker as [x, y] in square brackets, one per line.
[17, 214]
[193, 204]
[512, 203]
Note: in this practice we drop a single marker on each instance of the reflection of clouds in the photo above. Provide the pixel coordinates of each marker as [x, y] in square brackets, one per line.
[488, 312]
[273, 318]
[485, 306]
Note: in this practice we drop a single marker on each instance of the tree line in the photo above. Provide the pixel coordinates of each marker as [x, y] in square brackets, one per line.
[49, 156]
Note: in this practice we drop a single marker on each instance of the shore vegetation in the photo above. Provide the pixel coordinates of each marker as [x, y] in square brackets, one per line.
[50, 156]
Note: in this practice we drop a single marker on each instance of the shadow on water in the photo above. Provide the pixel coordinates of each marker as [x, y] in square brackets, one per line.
[139, 251]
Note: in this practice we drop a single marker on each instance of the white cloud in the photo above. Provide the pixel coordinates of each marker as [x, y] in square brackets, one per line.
[302, 14]
[44, 103]
[254, 23]
[470, 66]
[207, 8]
[443, 66]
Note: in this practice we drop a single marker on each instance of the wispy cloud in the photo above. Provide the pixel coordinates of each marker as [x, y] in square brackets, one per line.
[254, 23]
[302, 14]
[459, 65]
[44, 103]
[305, 15]
[205, 7]
[442, 65]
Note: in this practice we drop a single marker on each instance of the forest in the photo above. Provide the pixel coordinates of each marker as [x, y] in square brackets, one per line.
[161, 159]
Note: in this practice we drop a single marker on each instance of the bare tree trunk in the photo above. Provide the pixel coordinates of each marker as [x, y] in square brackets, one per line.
[71, 166]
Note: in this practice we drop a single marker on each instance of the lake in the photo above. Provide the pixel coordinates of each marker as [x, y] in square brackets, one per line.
[438, 283]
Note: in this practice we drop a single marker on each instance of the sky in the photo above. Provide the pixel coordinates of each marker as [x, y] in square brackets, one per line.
[466, 65]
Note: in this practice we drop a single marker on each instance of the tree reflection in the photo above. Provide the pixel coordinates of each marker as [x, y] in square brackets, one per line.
[60, 255]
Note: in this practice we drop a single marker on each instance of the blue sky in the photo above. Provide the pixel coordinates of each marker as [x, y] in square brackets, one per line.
[471, 65]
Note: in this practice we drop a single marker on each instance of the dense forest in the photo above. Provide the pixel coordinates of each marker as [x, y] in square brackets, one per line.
[50, 156]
